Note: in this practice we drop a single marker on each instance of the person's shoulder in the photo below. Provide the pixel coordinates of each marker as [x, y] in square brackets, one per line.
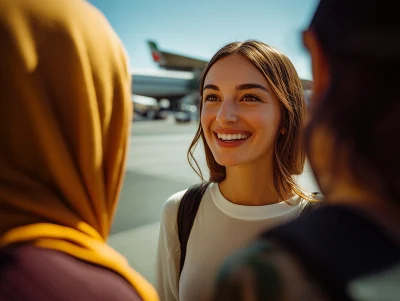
[44, 274]
[176, 197]
[310, 203]
[173, 202]
[264, 269]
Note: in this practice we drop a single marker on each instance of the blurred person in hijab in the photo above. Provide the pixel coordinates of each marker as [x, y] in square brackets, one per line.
[65, 114]
[349, 249]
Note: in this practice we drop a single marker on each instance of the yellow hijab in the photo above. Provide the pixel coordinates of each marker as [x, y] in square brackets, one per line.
[65, 114]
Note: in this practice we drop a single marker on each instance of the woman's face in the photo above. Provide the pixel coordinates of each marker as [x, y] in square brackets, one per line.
[241, 114]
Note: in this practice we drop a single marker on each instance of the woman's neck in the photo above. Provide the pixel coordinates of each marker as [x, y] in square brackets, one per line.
[251, 185]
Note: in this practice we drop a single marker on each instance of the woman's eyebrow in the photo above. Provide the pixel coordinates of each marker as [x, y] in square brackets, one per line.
[240, 87]
[251, 86]
[212, 87]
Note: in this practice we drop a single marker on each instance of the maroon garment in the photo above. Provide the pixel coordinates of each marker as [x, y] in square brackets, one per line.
[31, 273]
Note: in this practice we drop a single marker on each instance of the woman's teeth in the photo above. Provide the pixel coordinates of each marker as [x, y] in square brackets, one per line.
[232, 137]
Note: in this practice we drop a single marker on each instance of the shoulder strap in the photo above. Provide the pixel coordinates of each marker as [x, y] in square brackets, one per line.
[336, 245]
[187, 211]
[311, 205]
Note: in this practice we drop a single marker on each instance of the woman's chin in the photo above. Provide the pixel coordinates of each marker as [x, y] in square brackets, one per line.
[230, 162]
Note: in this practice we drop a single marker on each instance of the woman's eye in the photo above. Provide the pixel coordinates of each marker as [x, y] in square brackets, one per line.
[251, 98]
[211, 98]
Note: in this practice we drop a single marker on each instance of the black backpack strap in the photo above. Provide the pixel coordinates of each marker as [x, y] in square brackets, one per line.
[336, 245]
[188, 207]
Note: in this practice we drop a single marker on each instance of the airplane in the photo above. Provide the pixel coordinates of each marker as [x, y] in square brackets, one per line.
[178, 76]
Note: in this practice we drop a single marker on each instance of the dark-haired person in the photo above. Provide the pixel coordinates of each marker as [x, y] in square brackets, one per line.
[348, 249]
[65, 116]
[252, 111]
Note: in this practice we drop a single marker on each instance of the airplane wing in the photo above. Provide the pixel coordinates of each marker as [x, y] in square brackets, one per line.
[171, 61]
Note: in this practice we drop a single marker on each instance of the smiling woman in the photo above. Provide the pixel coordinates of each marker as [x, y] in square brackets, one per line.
[252, 113]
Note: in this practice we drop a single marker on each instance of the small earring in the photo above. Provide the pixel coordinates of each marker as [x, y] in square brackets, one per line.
[283, 131]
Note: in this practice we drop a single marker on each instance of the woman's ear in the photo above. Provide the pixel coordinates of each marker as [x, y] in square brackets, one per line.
[319, 63]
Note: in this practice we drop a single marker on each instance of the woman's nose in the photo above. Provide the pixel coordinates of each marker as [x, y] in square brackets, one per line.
[227, 112]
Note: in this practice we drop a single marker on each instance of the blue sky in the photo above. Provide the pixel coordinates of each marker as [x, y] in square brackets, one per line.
[198, 28]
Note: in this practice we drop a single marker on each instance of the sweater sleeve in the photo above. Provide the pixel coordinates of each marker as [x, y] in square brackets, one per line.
[168, 252]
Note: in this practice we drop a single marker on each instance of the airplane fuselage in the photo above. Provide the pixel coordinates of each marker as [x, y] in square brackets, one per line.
[162, 83]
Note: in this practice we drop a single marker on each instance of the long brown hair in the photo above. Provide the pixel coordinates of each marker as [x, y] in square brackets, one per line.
[281, 75]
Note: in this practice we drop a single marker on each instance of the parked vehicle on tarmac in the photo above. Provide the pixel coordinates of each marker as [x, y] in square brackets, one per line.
[145, 106]
[188, 108]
